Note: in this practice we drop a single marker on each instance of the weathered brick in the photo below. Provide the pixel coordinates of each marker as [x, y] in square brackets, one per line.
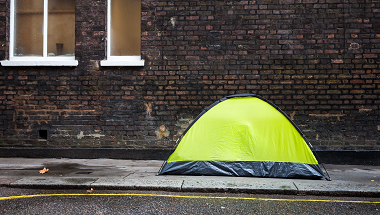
[289, 51]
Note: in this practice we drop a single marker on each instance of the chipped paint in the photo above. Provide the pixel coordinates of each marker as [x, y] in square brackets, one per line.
[162, 132]
[364, 110]
[173, 21]
[95, 65]
[183, 123]
[354, 46]
[292, 115]
[148, 108]
[329, 115]
[97, 135]
[81, 135]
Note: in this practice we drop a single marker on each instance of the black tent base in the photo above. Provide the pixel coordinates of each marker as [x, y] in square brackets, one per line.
[244, 168]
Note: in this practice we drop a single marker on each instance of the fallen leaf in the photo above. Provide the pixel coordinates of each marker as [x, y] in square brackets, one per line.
[90, 191]
[44, 170]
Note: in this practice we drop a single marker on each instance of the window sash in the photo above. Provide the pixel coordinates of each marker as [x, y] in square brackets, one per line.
[132, 60]
[109, 40]
[108, 29]
[45, 39]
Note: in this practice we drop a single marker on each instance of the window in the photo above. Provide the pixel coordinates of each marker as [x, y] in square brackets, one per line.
[124, 33]
[42, 33]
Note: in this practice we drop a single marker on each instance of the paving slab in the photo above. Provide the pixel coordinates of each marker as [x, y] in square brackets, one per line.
[339, 188]
[53, 182]
[245, 185]
[356, 173]
[131, 183]
[6, 181]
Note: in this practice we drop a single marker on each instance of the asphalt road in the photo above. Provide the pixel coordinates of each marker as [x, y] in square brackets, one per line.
[32, 201]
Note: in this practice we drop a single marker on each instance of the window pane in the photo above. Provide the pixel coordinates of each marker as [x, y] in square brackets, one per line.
[28, 27]
[125, 27]
[61, 27]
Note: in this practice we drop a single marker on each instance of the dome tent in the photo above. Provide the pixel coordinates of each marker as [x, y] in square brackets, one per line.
[243, 135]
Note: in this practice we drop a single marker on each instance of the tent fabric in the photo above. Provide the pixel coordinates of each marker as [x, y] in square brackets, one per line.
[243, 135]
[243, 168]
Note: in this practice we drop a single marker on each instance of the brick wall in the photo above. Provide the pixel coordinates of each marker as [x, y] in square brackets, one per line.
[318, 60]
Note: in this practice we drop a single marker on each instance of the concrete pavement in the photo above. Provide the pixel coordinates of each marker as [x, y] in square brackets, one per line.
[347, 180]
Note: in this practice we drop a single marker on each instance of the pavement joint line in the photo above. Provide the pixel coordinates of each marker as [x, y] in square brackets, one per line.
[296, 187]
[190, 197]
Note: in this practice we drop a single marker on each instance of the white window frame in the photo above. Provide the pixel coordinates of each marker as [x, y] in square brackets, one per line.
[34, 61]
[118, 60]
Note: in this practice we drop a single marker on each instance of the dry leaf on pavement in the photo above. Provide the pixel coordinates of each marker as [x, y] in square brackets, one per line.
[44, 170]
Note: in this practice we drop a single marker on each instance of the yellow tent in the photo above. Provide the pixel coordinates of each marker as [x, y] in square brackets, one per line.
[243, 135]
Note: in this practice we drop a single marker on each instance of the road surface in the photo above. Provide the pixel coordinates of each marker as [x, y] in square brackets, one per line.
[32, 201]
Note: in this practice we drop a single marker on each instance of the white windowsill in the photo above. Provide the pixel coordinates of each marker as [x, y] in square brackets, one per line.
[122, 63]
[39, 63]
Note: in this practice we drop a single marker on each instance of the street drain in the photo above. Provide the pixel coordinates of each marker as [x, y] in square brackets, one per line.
[83, 173]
